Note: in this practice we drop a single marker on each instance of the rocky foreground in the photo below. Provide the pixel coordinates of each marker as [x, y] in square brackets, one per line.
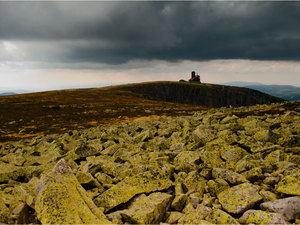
[220, 166]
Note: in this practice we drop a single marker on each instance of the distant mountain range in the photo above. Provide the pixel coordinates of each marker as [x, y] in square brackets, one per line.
[12, 92]
[286, 92]
[8, 93]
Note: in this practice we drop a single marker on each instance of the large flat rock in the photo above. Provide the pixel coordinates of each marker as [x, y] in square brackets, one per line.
[62, 200]
[262, 217]
[239, 198]
[129, 187]
[289, 207]
[148, 209]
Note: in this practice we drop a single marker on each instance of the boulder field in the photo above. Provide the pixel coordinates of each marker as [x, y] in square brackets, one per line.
[221, 166]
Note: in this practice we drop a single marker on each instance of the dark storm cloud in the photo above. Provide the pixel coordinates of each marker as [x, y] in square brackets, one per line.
[116, 32]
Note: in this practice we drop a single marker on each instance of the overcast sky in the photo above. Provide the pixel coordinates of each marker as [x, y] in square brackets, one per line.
[49, 45]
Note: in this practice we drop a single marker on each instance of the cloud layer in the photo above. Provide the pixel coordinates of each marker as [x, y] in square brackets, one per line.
[118, 32]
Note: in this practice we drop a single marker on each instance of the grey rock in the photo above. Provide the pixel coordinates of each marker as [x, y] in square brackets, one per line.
[289, 207]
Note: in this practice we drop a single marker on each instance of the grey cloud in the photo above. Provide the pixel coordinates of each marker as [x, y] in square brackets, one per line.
[116, 32]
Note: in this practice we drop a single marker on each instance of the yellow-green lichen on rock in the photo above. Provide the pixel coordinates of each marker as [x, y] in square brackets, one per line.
[62, 200]
[228, 175]
[209, 168]
[4, 211]
[186, 161]
[147, 209]
[239, 198]
[216, 186]
[195, 216]
[218, 216]
[173, 217]
[289, 185]
[262, 217]
[179, 202]
[129, 187]
[194, 182]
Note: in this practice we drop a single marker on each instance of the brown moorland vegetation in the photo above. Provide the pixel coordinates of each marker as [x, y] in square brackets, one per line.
[29, 115]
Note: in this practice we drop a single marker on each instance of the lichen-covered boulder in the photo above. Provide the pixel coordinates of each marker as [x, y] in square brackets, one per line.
[204, 134]
[247, 163]
[22, 214]
[232, 153]
[115, 217]
[187, 161]
[229, 119]
[62, 200]
[195, 216]
[211, 159]
[179, 202]
[129, 187]
[87, 180]
[103, 178]
[218, 216]
[194, 182]
[239, 198]
[275, 156]
[228, 175]
[262, 217]
[173, 217]
[147, 209]
[4, 211]
[216, 186]
[289, 185]
[254, 174]
[289, 207]
[268, 195]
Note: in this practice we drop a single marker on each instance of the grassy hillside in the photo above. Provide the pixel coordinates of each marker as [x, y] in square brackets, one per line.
[201, 94]
[28, 115]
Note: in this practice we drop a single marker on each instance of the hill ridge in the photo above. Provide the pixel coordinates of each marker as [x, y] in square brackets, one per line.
[212, 95]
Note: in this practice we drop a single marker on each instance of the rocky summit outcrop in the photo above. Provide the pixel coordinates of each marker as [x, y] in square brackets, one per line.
[222, 166]
[200, 94]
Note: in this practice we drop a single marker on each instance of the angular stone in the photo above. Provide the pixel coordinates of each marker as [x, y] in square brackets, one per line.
[217, 186]
[204, 134]
[218, 216]
[4, 212]
[147, 209]
[232, 153]
[194, 182]
[186, 161]
[115, 217]
[239, 198]
[179, 202]
[195, 216]
[289, 185]
[229, 119]
[61, 199]
[230, 176]
[207, 200]
[195, 198]
[87, 180]
[262, 217]
[271, 180]
[289, 207]
[22, 214]
[211, 159]
[268, 195]
[174, 217]
[129, 187]
[254, 174]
